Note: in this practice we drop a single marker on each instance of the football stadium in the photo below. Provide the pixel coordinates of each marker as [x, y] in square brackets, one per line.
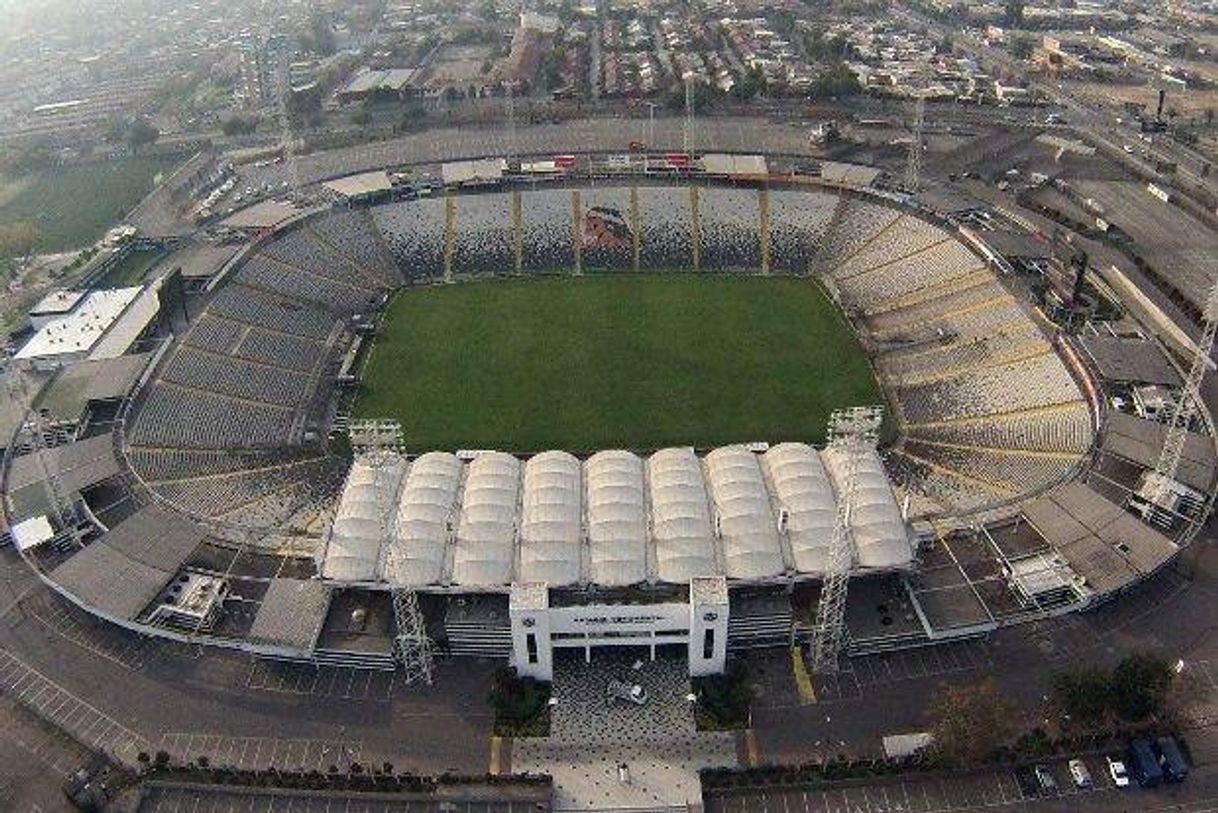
[510, 418]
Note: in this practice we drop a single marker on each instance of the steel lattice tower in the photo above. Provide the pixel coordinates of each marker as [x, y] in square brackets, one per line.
[35, 426]
[378, 442]
[913, 162]
[1185, 408]
[854, 432]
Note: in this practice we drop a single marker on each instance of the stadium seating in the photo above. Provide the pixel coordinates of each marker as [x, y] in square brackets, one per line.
[988, 408]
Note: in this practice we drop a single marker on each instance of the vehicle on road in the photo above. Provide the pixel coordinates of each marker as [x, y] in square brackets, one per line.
[1116, 770]
[1080, 774]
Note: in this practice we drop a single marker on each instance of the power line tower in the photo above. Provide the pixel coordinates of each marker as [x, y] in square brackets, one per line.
[853, 432]
[1185, 408]
[913, 161]
[379, 442]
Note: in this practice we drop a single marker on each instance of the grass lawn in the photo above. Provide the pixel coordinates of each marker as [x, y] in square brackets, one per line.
[74, 205]
[636, 361]
[130, 270]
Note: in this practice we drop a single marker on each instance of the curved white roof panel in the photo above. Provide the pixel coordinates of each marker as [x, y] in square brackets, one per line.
[486, 533]
[361, 520]
[743, 518]
[804, 499]
[680, 516]
[617, 518]
[550, 520]
[418, 546]
[881, 538]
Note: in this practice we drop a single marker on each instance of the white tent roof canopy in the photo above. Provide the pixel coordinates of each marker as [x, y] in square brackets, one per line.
[612, 520]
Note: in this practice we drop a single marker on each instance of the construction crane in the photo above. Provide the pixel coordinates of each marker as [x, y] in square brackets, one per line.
[1158, 489]
[853, 432]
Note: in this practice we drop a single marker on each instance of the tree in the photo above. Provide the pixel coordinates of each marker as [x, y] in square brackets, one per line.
[1013, 15]
[1083, 694]
[971, 721]
[944, 45]
[836, 80]
[1140, 685]
[18, 239]
[1022, 46]
[142, 134]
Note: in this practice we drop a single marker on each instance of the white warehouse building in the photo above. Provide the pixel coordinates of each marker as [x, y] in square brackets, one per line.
[666, 536]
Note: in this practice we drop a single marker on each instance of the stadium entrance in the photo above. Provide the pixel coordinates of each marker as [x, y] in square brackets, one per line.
[539, 627]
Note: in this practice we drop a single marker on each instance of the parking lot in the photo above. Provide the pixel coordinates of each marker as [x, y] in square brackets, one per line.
[105, 640]
[59, 707]
[321, 681]
[217, 800]
[281, 753]
[913, 795]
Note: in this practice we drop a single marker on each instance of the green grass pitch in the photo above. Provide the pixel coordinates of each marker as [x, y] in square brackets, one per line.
[634, 361]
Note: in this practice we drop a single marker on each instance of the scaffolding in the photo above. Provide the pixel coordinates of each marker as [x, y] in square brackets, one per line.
[855, 432]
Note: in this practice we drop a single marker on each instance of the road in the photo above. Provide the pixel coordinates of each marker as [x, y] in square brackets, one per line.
[1098, 125]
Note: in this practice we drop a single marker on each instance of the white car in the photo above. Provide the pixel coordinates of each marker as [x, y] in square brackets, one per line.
[1080, 774]
[1116, 769]
[627, 692]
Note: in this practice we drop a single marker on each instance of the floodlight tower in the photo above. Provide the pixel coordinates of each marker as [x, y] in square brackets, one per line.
[35, 426]
[853, 432]
[1186, 405]
[378, 442]
[283, 91]
[913, 161]
[687, 140]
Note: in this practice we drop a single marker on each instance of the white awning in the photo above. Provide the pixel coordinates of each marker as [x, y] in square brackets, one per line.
[362, 520]
[881, 538]
[617, 518]
[486, 534]
[424, 521]
[805, 501]
[550, 520]
[680, 516]
[743, 519]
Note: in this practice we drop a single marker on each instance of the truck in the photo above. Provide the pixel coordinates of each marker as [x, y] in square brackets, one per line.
[1171, 759]
[1143, 764]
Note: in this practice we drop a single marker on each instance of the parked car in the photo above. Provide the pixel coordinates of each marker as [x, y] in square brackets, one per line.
[626, 692]
[1143, 764]
[1048, 784]
[1171, 759]
[1116, 770]
[1080, 774]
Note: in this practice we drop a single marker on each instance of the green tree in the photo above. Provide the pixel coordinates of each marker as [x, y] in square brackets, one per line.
[1022, 46]
[1083, 694]
[971, 721]
[1140, 685]
[141, 134]
[19, 239]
